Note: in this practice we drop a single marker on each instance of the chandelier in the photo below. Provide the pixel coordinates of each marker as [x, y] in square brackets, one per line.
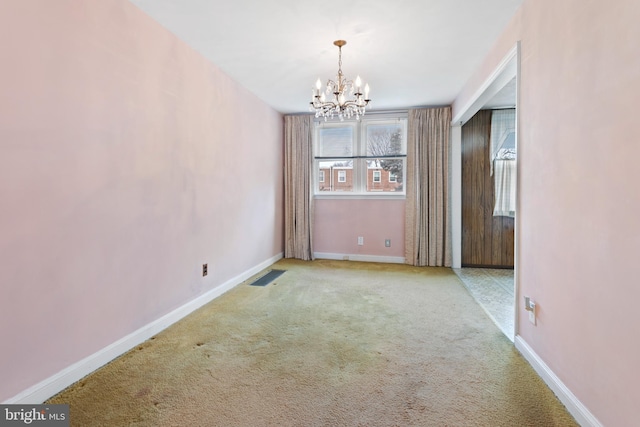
[347, 98]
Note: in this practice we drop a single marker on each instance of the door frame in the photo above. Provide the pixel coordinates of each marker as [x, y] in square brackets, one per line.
[506, 70]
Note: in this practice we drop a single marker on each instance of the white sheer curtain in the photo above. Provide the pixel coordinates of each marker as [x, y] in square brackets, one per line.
[503, 161]
[298, 208]
[428, 207]
[505, 188]
[503, 126]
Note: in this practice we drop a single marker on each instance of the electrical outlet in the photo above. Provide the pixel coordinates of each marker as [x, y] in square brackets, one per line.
[530, 306]
[387, 243]
[360, 240]
[205, 269]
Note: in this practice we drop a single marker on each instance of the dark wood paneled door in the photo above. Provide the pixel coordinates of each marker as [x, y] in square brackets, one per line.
[487, 240]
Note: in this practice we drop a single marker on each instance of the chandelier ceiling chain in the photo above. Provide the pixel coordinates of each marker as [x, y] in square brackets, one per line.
[347, 101]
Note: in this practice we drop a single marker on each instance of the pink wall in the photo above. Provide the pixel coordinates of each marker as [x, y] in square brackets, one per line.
[579, 227]
[374, 219]
[126, 162]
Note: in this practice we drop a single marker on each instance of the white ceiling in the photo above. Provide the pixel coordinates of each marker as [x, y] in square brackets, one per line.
[411, 52]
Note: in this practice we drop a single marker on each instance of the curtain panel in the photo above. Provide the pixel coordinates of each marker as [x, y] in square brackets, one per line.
[503, 161]
[505, 187]
[298, 208]
[428, 206]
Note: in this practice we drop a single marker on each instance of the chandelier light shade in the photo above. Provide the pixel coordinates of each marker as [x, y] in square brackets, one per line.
[347, 98]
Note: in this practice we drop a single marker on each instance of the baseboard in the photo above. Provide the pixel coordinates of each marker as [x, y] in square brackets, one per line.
[358, 257]
[63, 379]
[570, 401]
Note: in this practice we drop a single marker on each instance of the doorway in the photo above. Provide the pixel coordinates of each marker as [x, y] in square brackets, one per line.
[494, 291]
[484, 244]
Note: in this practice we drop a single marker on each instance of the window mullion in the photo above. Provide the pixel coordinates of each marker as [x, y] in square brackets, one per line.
[362, 163]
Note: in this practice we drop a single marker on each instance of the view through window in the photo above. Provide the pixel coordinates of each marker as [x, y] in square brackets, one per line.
[363, 157]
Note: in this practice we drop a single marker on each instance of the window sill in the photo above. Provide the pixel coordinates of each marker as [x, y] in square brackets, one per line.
[352, 196]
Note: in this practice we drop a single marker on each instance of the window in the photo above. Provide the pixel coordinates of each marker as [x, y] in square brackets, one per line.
[503, 161]
[361, 157]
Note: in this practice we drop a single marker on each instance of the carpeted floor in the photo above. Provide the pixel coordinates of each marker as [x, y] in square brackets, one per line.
[328, 343]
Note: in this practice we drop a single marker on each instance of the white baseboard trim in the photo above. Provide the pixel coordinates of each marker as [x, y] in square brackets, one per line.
[47, 388]
[573, 405]
[357, 257]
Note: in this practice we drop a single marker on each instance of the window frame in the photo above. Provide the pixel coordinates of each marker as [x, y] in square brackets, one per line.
[359, 156]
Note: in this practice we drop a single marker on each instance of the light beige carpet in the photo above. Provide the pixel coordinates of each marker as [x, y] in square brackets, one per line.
[329, 343]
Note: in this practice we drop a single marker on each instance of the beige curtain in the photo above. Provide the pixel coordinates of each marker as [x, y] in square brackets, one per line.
[428, 208]
[298, 209]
